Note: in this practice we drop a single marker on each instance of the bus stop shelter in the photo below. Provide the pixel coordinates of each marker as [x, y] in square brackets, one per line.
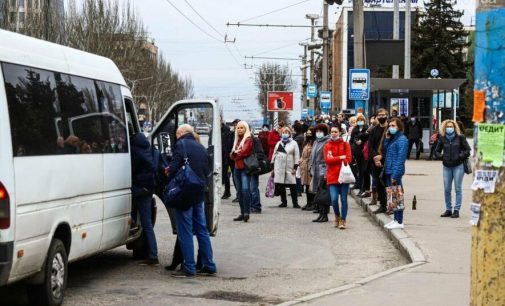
[430, 100]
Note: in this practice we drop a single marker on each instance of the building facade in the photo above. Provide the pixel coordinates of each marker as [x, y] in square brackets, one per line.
[19, 10]
[378, 28]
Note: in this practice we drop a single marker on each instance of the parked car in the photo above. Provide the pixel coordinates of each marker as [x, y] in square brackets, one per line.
[202, 128]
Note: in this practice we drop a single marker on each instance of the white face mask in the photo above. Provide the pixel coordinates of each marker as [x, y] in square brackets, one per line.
[265, 129]
[319, 135]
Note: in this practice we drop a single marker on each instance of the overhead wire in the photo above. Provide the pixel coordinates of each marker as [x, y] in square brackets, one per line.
[275, 11]
[192, 22]
[204, 20]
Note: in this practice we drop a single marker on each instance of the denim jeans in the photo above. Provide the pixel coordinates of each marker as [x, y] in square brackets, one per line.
[193, 221]
[398, 214]
[453, 173]
[339, 190]
[243, 182]
[255, 192]
[144, 208]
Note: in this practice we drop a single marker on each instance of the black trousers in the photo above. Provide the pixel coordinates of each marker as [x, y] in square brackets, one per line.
[292, 189]
[364, 175]
[380, 181]
[418, 147]
[226, 179]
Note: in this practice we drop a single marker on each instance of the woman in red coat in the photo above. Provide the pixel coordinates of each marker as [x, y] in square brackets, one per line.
[242, 148]
[336, 151]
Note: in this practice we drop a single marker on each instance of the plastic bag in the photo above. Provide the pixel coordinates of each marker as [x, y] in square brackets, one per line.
[269, 193]
[346, 176]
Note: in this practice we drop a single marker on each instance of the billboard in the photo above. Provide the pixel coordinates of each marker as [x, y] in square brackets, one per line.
[279, 101]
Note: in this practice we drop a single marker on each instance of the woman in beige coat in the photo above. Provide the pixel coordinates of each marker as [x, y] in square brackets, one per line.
[285, 159]
[304, 167]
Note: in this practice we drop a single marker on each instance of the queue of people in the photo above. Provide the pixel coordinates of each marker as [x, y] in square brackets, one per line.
[316, 158]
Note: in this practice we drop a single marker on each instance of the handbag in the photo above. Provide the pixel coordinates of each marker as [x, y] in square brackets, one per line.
[322, 196]
[395, 199]
[252, 165]
[346, 176]
[269, 193]
[182, 191]
[467, 165]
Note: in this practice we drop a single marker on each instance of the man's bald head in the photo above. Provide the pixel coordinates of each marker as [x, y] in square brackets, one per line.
[183, 130]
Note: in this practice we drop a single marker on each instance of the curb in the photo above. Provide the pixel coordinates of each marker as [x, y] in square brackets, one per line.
[399, 238]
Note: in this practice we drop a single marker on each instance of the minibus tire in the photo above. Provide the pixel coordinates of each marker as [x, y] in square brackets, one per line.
[55, 266]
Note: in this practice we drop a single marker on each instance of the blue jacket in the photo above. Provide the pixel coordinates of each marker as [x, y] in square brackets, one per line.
[395, 151]
[143, 181]
[198, 158]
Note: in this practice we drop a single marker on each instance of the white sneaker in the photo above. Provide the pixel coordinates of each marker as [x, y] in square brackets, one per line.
[396, 225]
[388, 224]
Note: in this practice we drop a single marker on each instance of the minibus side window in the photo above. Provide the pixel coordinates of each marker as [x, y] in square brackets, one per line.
[33, 106]
[111, 105]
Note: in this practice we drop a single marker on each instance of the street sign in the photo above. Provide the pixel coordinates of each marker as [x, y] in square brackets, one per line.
[325, 101]
[312, 91]
[434, 73]
[280, 101]
[359, 84]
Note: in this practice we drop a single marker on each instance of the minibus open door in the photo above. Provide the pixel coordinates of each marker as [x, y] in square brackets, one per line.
[204, 117]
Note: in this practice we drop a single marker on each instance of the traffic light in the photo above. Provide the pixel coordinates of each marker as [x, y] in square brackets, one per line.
[330, 2]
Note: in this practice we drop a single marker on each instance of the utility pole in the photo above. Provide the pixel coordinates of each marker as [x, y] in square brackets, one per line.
[396, 33]
[488, 249]
[407, 40]
[313, 18]
[358, 25]
[326, 49]
[304, 75]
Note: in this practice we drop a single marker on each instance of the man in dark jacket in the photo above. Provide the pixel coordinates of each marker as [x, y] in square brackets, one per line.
[377, 159]
[415, 133]
[193, 219]
[226, 144]
[143, 185]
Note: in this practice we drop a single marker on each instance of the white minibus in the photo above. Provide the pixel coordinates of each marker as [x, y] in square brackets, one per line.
[65, 160]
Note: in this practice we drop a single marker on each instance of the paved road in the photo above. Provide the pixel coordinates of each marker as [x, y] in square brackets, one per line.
[279, 255]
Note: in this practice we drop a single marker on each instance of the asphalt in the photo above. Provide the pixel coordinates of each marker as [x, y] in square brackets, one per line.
[438, 250]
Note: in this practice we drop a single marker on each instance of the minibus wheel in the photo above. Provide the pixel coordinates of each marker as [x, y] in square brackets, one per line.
[52, 291]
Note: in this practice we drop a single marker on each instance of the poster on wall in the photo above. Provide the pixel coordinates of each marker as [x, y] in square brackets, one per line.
[400, 106]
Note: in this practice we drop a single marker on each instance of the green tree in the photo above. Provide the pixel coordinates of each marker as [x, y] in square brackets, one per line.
[438, 41]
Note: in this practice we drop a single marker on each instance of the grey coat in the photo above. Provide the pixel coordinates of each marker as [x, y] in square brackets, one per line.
[317, 165]
[284, 163]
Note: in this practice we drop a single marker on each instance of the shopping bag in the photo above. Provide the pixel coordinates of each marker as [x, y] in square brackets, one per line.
[322, 197]
[346, 176]
[269, 193]
[395, 198]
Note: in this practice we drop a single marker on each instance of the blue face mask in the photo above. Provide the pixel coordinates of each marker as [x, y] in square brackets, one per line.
[285, 136]
[361, 123]
[449, 130]
[392, 130]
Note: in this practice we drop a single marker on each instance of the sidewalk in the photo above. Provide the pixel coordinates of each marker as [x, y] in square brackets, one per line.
[445, 242]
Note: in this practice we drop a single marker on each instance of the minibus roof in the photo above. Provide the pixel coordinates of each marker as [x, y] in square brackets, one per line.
[24, 50]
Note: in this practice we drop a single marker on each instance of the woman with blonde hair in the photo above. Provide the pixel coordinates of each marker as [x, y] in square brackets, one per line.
[455, 151]
[242, 148]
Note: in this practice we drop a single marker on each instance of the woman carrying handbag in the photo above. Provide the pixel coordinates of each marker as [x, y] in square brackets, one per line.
[455, 153]
[395, 147]
[337, 154]
[242, 148]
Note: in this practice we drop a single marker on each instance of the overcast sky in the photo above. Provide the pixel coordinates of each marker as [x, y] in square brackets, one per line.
[216, 68]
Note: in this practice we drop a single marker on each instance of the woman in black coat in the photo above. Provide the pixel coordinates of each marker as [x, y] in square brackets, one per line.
[359, 137]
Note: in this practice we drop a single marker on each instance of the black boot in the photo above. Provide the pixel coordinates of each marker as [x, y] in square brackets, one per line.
[239, 218]
[318, 218]
[447, 213]
[324, 218]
